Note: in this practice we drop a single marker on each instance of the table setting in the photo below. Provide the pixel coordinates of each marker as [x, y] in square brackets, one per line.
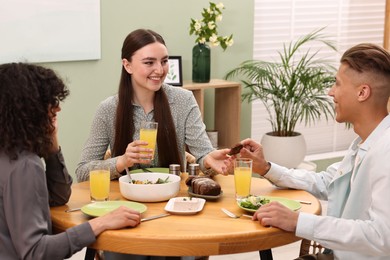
[183, 224]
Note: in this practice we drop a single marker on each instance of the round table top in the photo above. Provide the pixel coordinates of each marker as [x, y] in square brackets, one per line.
[209, 232]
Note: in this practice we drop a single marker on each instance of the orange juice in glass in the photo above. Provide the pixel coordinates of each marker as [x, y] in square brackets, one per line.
[148, 133]
[242, 177]
[99, 182]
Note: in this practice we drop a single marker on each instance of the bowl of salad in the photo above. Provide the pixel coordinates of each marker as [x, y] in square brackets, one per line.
[149, 186]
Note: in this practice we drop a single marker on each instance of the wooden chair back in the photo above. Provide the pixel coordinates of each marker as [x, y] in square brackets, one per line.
[309, 247]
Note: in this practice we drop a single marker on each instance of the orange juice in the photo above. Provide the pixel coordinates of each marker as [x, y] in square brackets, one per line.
[150, 136]
[99, 181]
[242, 179]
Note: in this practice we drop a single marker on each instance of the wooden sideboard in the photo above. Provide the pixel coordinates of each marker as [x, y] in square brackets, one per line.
[227, 108]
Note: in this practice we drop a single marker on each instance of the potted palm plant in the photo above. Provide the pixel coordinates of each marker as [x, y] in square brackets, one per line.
[293, 89]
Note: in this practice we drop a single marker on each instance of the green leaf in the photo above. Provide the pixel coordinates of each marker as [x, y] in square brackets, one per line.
[294, 88]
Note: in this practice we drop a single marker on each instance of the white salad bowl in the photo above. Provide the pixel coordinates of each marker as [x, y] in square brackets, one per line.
[149, 192]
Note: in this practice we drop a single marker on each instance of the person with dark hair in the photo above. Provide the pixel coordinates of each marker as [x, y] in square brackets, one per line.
[143, 96]
[357, 224]
[33, 172]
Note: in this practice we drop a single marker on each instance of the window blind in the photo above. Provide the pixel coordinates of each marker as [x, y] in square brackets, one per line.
[346, 22]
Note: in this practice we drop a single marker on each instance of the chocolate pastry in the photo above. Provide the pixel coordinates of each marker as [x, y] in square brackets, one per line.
[203, 185]
[236, 149]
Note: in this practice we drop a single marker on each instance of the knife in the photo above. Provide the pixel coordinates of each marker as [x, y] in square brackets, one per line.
[304, 202]
[154, 217]
[71, 210]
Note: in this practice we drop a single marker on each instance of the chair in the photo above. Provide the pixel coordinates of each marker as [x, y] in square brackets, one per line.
[310, 247]
[266, 254]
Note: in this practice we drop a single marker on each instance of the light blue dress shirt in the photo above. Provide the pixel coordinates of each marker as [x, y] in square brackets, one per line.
[358, 221]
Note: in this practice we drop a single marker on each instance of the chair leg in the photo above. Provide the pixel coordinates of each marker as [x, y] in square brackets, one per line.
[266, 254]
[90, 254]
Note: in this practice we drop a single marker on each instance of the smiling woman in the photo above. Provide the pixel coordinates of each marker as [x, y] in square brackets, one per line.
[143, 96]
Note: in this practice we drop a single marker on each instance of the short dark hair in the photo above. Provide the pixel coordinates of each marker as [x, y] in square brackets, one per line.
[373, 60]
[368, 57]
[27, 92]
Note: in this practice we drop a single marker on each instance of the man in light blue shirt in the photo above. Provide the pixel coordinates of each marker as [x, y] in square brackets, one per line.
[357, 225]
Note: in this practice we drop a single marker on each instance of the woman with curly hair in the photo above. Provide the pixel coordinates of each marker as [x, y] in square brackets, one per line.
[33, 172]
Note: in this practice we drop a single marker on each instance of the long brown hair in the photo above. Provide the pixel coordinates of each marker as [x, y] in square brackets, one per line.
[124, 124]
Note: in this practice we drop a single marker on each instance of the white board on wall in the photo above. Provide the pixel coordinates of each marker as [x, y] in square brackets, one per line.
[49, 30]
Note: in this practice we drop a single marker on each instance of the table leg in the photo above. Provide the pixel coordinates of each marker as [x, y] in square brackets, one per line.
[90, 254]
[266, 254]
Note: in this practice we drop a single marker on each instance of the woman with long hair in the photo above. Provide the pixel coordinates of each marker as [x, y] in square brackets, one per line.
[143, 96]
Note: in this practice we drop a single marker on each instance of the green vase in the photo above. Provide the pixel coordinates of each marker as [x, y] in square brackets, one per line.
[201, 63]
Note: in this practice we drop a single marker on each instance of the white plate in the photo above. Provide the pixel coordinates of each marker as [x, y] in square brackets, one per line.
[185, 205]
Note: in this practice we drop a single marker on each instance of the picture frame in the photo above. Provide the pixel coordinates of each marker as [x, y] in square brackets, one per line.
[174, 75]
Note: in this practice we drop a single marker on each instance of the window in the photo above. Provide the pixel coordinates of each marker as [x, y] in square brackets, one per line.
[349, 22]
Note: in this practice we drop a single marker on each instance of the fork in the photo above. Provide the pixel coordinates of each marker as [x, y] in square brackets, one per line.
[232, 215]
[128, 174]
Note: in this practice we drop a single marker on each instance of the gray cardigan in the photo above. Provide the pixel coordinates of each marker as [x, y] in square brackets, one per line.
[190, 130]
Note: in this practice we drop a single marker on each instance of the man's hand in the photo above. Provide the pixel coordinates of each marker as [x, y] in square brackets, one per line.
[274, 214]
[254, 151]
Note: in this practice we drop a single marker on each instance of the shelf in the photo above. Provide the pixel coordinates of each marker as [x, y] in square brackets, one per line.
[227, 108]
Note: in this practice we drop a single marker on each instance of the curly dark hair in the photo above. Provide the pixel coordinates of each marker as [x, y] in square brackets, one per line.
[27, 92]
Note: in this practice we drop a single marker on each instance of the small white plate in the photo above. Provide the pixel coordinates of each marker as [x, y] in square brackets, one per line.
[185, 205]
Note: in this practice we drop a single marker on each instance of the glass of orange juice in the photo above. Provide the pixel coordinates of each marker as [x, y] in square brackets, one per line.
[148, 133]
[99, 181]
[242, 177]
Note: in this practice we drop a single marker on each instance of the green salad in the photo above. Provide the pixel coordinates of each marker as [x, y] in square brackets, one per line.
[253, 202]
[159, 181]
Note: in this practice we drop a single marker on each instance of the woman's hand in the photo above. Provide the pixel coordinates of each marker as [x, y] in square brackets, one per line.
[135, 153]
[274, 214]
[218, 161]
[120, 218]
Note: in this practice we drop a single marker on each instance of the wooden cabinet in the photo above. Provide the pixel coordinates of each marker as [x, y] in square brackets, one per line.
[227, 108]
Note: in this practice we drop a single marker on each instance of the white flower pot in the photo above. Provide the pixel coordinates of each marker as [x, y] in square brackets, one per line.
[288, 151]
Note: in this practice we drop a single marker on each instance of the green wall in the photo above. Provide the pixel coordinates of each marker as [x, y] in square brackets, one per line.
[92, 81]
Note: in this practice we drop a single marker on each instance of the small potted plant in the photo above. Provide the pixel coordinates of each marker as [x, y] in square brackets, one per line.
[292, 89]
[206, 32]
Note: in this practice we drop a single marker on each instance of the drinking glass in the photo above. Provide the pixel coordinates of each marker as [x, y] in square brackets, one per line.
[99, 181]
[242, 177]
[148, 133]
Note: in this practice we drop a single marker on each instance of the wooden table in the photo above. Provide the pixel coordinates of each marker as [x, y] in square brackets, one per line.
[210, 232]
